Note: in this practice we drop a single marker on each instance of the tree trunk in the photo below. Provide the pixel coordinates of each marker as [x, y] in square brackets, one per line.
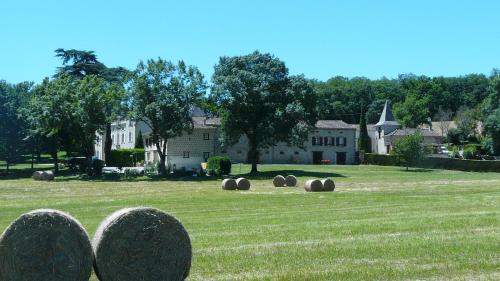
[407, 168]
[162, 151]
[107, 142]
[54, 156]
[253, 157]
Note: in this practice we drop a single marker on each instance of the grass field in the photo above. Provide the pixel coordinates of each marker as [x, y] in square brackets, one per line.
[381, 223]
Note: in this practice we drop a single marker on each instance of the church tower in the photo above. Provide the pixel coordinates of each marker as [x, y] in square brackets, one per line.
[386, 125]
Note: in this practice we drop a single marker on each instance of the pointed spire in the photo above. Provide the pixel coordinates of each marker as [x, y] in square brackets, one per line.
[386, 118]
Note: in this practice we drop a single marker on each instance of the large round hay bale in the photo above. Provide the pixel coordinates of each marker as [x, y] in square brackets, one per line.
[242, 184]
[229, 184]
[141, 244]
[291, 180]
[313, 186]
[45, 245]
[279, 181]
[328, 185]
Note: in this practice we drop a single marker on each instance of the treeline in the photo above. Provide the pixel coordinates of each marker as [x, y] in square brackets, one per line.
[254, 95]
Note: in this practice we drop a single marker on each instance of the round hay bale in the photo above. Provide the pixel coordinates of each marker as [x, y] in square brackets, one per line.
[229, 184]
[313, 186]
[45, 245]
[37, 175]
[243, 184]
[279, 181]
[291, 180]
[48, 175]
[141, 244]
[328, 185]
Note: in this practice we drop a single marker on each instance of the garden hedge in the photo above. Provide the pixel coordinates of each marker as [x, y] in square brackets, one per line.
[437, 163]
[219, 165]
[125, 157]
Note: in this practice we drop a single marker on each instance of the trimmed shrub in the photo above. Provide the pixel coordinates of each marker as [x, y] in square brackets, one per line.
[141, 244]
[125, 157]
[328, 185]
[279, 181]
[313, 186]
[218, 165]
[290, 180]
[439, 163]
[229, 184]
[45, 245]
[242, 184]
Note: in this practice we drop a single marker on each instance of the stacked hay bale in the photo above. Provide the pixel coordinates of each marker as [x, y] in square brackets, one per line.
[43, 175]
[279, 181]
[313, 186]
[141, 244]
[242, 184]
[328, 185]
[45, 245]
[291, 180]
[229, 184]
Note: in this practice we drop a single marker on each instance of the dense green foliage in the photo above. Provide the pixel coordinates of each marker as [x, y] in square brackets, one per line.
[410, 149]
[219, 165]
[163, 95]
[381, 223]
[257, 99]
[364, 141]
[139, 141]
[126, 157]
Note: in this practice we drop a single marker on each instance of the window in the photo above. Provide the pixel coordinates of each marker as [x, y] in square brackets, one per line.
[206, 136]
[325, 139]
[206, 155]
[282, 152]
[129, 136]
[123, 138]
[313, 141]
[320, 141]
[296, 153]
[185, 154]
[332, 141]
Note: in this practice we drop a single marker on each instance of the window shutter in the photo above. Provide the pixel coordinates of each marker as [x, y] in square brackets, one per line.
[337, 139]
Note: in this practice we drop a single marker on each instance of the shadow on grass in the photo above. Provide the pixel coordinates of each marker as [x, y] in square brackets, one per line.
[418, 170]
[297, 173]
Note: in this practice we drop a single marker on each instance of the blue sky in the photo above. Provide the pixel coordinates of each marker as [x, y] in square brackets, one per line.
[320, 39]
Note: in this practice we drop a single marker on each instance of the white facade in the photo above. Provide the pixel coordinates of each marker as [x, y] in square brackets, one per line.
[123, 135]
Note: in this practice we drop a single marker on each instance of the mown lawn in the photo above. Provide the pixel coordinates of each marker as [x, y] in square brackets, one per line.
[381, 223]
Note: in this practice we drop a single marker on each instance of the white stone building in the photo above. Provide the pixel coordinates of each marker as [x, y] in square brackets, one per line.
[123, 135]
[384, 134]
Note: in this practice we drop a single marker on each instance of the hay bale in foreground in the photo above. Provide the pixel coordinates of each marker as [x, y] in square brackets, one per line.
[141, 244]
[279, 181]
[229, 184]
[328, 185]
[242, 184]
[313, 186]
[291, 180]
[45, 245]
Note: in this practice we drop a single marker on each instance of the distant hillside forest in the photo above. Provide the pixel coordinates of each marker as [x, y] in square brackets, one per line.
[253, 94]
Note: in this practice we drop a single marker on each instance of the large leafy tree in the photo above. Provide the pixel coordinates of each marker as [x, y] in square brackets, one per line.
[260, 101]
[163, 95]
[413, 111]
[79, 64]
[12, 126]
[411, 149]
[50, 115]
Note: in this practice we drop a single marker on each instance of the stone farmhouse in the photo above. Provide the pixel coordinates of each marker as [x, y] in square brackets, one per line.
[331, 141]
[384, 134]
